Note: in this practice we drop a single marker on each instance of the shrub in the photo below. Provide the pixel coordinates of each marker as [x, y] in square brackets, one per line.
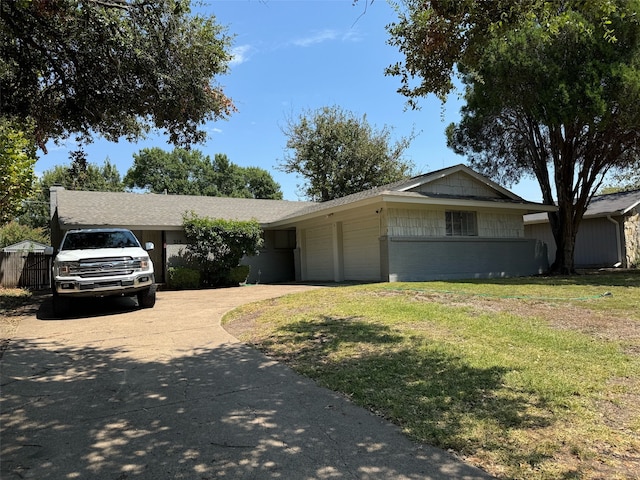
[218, 245]
[183, 278]
[239, 274]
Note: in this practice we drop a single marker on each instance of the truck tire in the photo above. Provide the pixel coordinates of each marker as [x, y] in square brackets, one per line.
[147, 298]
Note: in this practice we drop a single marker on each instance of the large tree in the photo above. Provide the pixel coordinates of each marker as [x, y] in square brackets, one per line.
[17, 158]
[115, 68]
[338, 153]
[552, 90]
[190, 172]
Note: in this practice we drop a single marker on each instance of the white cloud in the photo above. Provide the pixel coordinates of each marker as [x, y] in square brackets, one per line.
[318, 37]
[240, 54]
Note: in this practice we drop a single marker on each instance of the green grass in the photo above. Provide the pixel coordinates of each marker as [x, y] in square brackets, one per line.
[474, 367]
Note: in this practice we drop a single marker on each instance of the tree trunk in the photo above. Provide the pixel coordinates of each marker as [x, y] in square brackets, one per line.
[564, 235]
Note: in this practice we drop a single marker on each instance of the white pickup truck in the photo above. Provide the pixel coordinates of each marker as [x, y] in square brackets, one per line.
[99, 263]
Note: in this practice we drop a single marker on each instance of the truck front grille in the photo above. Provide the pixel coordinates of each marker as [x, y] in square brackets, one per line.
[105, 267]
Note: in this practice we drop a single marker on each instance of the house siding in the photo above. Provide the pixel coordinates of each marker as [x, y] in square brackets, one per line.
[596, 242]
[432, 223]
[274, 263]
[413, 259]
[457, 184]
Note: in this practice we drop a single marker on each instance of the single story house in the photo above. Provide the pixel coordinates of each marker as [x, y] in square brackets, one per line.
[452, 223]
[609, 234]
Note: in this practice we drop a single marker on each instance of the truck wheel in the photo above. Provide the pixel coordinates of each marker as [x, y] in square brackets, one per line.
[147, 298]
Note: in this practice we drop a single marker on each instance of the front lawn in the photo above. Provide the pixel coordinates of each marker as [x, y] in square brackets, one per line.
[535, 378]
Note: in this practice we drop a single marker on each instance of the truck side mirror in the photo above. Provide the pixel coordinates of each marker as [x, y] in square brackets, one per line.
[149, 246]
[49, 251]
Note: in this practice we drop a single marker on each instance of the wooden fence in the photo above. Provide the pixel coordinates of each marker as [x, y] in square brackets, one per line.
[25, 269]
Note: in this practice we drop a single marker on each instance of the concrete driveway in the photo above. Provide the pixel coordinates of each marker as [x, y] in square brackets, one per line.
[118, 393]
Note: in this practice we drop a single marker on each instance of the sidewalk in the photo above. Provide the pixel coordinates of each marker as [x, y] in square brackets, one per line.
[166, 393]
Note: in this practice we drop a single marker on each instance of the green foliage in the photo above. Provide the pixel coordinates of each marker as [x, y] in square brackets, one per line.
[14, 232]
[217, 245]
[79, 175]
[112, 68]
[624, 180]
[189, 172]
[552, 91]
[183, 278]
[239, 274]
[339, 154]
[17, 158]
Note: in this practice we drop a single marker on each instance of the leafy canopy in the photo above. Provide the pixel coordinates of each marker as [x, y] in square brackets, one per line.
[17, 158]
[14, 232]
[624, 181]
[339, 154]
[190, 172]
[116, 68]
[552, 90]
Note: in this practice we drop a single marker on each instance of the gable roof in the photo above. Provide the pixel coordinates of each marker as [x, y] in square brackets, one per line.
[611, 204]
[413, 190]
[431, 177]
[82, 209]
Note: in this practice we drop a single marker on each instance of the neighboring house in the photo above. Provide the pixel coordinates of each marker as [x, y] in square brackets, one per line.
[25, 246]
[608, 236]
[453, 223]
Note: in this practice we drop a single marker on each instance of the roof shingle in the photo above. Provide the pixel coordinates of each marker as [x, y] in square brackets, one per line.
[81, 208]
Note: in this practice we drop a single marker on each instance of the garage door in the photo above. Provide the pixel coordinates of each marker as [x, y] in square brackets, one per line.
[361, 248]
[319, 253]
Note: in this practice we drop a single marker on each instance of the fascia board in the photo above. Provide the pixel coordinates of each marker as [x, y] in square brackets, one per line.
[470, 203]
[323, 212]
[631, 207]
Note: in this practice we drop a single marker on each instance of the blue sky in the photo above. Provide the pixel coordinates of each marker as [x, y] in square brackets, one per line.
[300, 55]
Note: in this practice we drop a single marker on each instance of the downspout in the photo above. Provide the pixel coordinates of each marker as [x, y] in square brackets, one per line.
[618, 240]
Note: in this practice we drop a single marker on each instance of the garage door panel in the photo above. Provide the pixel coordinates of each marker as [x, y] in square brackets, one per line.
[319, 253]
[361, 247]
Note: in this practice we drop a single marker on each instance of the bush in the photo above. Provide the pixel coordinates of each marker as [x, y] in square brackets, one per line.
[218, 245]
[183, 278]
[239, 274]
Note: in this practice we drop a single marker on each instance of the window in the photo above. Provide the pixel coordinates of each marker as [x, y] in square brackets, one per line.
[461, 224]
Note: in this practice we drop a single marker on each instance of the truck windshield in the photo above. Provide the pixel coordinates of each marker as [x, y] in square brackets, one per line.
[92, 240]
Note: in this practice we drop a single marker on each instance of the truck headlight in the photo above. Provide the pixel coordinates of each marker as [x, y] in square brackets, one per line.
[64, 269]
[144, 263]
